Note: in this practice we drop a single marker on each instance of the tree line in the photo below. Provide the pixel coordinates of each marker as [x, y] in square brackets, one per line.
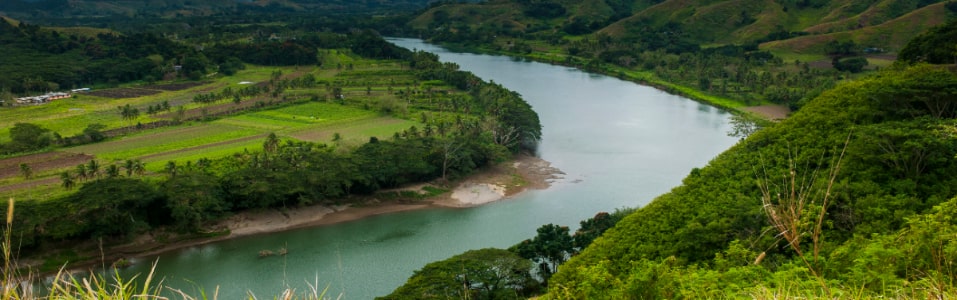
[285, 174]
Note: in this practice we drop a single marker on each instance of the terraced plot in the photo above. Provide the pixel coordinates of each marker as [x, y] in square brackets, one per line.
[162, 141]
[315, 122]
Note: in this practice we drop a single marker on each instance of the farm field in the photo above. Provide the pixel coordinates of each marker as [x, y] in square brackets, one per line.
[314, 122]
[368, 107]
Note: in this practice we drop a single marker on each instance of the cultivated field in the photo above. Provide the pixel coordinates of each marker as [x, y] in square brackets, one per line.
[369, 106]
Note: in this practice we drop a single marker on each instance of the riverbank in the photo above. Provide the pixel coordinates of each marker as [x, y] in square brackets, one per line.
[768, 112]
[491, 184]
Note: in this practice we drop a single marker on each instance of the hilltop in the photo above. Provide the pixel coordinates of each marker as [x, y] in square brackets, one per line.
[36, 9]
[885, 23]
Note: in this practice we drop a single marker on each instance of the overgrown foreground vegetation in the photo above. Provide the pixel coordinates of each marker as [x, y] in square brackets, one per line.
[882, 226]
[852, 197]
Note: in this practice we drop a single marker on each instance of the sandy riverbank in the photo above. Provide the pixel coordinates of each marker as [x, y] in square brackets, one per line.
[491, 184]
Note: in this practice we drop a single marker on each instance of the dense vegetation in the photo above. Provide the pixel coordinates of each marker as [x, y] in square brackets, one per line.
[711, 236]
[477, 128]
[854, 196]
[727, 52]
[38, 60]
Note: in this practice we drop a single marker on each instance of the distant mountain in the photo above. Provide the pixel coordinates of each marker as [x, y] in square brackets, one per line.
[31, 10]
[793, 25]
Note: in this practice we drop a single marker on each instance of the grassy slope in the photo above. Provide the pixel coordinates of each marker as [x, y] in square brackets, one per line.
[891, 35]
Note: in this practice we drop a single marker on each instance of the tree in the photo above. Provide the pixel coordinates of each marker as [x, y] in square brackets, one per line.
[550, 248]
[113, 207]
[853, 64]
[129, 113]
[743, 126]
[26, 171]
[67, 180]
[170, 168]
[112, 171]
[93, 168]
[592, 228]
[28, 137]
[94, 132]
[476, 274]
[336, 137]
[194, 197]
[81, 171]
[271, 145]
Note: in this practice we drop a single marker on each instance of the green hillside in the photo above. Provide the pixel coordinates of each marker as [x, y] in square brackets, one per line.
[32, 10]
[699, 21]
[858, 180]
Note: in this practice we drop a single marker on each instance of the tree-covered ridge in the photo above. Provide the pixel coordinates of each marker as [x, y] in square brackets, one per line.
[730, 53]
[697, 22]
[39, 60]
[177, 8]
[703, 238]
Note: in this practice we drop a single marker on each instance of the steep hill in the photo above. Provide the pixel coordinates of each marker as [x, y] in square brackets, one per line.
[891, 35]
[32, 10]
[889, 23]
[854, 170]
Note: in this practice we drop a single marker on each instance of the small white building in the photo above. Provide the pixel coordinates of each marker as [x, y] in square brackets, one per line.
[43, 98]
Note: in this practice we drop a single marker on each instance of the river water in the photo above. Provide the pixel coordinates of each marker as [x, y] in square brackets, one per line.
[619, 143]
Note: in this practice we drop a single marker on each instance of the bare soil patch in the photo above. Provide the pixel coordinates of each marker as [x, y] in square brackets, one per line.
[821, 64]
[41, 162]
[29, 184]
[123, 93]
[770, 112]
[174, 86]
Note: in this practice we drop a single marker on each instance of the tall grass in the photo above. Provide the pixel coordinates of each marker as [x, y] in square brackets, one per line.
[796, 209]
[18, 286]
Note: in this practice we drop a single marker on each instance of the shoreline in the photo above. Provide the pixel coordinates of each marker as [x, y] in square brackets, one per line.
[494, 183]
[732, 105]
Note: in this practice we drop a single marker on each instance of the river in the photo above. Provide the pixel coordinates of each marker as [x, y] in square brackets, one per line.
[619, 143]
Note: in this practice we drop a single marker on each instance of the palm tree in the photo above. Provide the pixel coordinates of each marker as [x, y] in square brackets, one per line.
[93, 168]
[128, 165]
[26, 171]
[81, 171]
[336, 138]
[271, 144]
[67, 180]
[171, 168]
[112, 171]
[139, 167]
[129, 113]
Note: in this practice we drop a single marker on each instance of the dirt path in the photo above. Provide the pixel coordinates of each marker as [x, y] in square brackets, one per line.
[770, 112]
[41, 162]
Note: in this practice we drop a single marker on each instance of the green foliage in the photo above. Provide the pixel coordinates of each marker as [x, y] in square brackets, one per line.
[853, 64]
[899, 165]
[476, 274]
[27, 137]
[194, 198]
[549, 249]
[121, 207]
[936, 46]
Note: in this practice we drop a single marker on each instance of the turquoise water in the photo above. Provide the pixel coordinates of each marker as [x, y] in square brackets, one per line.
[619, 143]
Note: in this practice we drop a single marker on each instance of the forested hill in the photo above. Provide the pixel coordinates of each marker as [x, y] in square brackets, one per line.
[805, 25]
[34, 9]
[852, 197]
